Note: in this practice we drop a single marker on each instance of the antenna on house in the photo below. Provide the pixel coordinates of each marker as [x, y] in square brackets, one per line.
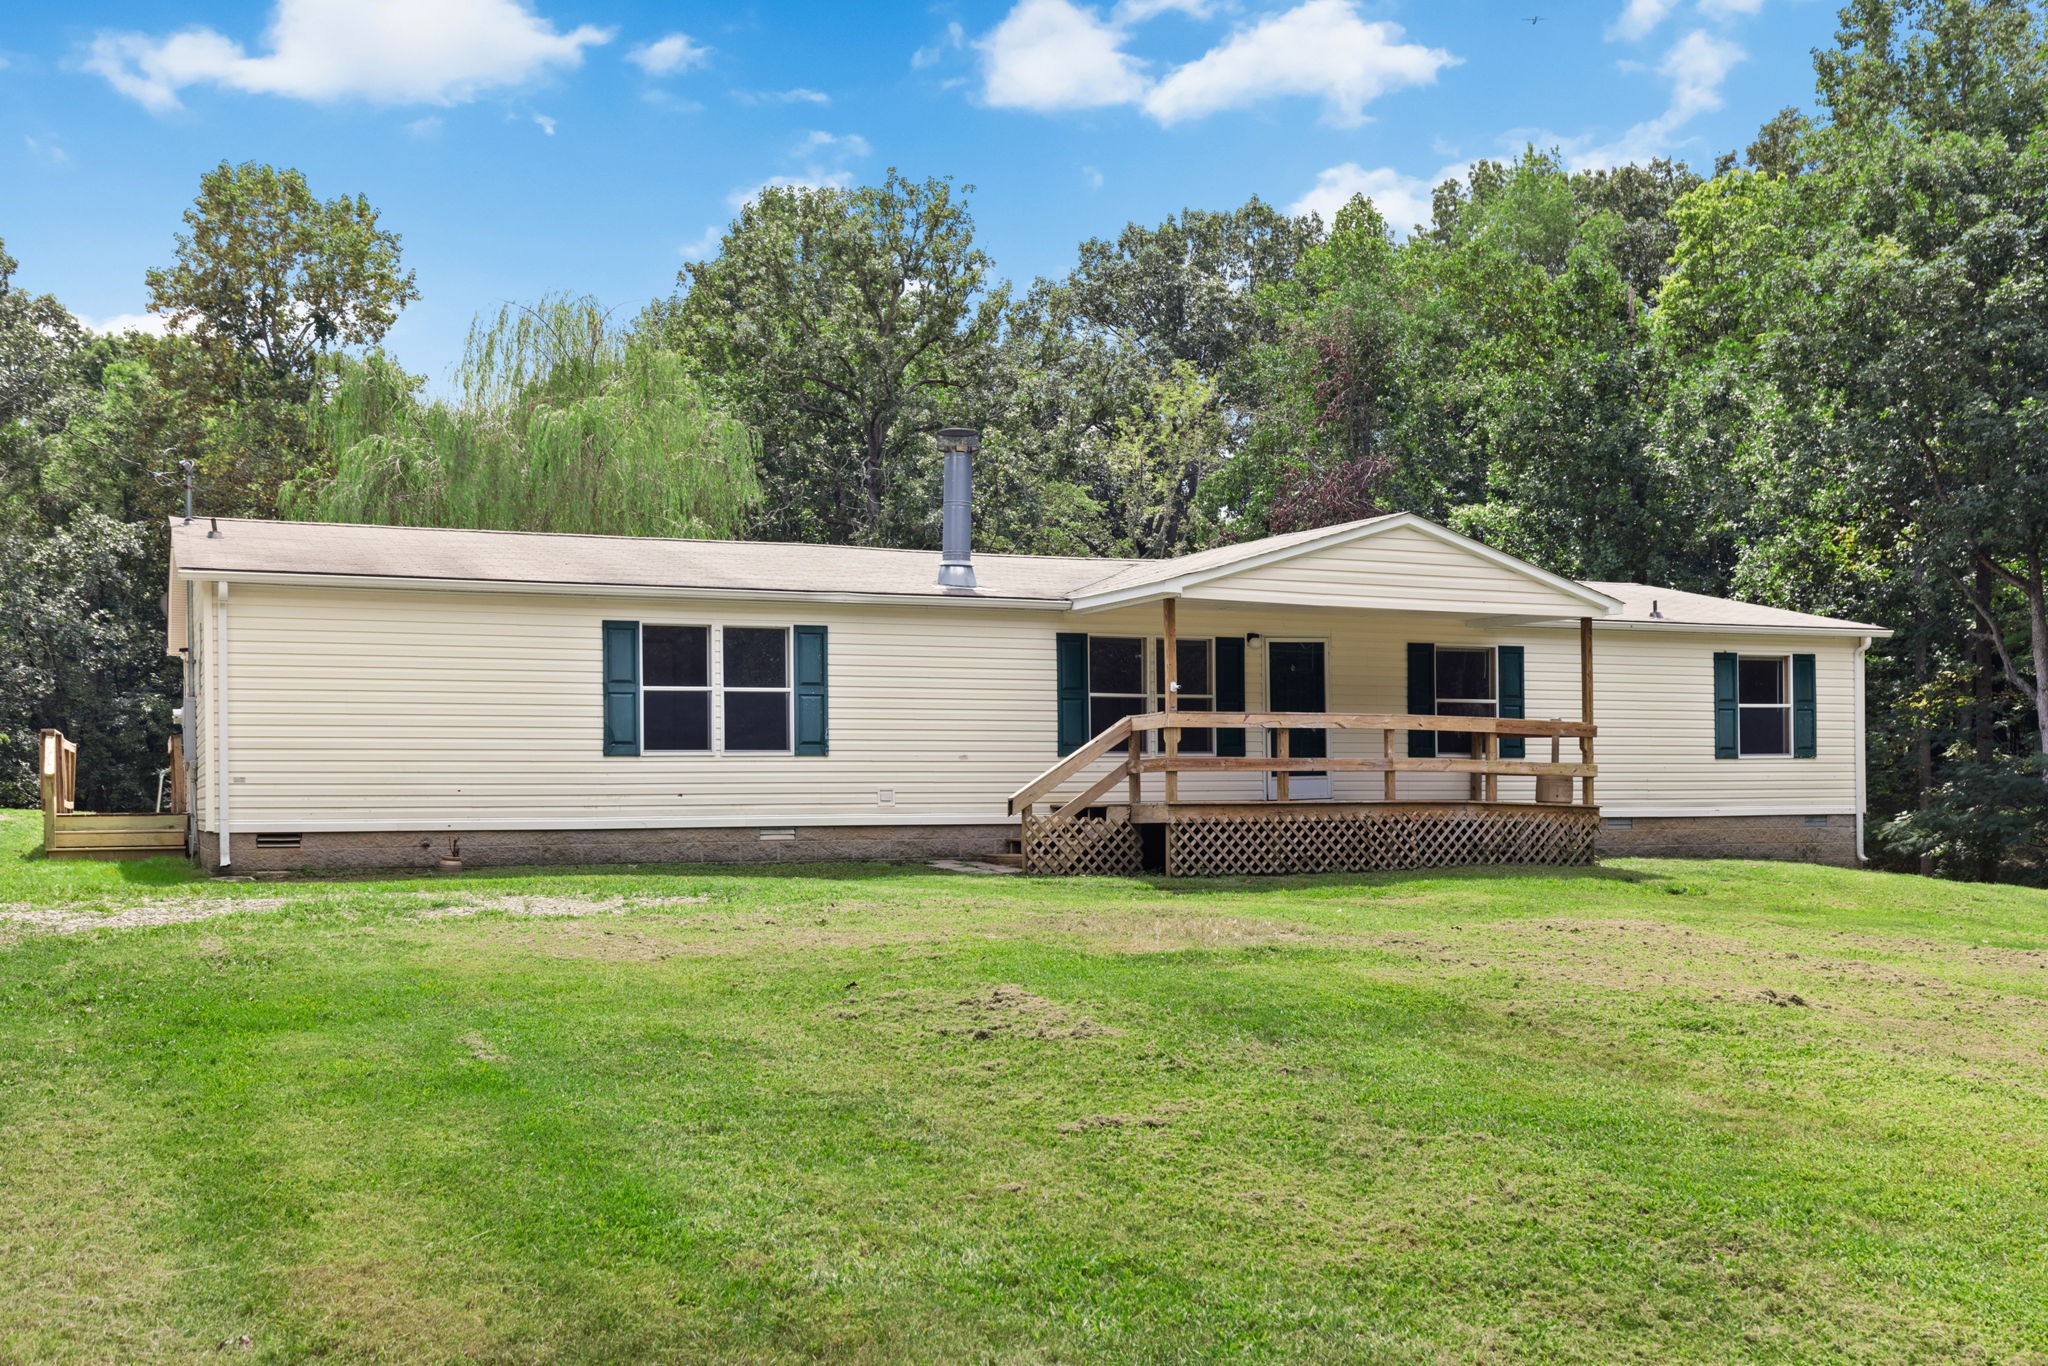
[186, 469]
[1655, 615]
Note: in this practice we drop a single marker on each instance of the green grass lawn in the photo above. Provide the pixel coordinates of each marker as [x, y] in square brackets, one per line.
[1657, 1111]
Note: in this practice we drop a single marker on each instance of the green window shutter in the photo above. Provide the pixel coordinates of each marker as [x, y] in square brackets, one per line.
[1071, 653]
[1230, 690]
[622, 687]
[1508, 662]
[812, 712]
[1421, 697]
[1805, 719]
[1726, 743]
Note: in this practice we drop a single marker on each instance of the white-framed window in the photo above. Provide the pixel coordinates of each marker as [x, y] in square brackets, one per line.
[1467, 684]
[1116, 681]
[675, 689]
[1197, 679]
[754, 690]
[715, 689]
[1127, 677]
[1763, 706]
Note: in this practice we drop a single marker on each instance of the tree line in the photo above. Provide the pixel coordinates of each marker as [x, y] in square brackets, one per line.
[1814, 375]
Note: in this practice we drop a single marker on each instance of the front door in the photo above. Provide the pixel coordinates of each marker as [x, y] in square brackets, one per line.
[1295, 681]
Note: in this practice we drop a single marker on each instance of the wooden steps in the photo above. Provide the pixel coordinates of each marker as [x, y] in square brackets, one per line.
[90, 835]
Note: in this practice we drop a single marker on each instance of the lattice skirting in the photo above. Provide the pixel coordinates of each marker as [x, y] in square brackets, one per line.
[1082, 847]
[1305, 840]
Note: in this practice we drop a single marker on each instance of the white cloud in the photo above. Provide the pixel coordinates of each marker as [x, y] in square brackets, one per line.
[849, 146]
[1092, 176]
[953, 40]
[1639, 18]
[1403, 201]
[423, 129]
[45, 151]
[1052, 54]
[1696, 66]
[153, 324]
[1138, 11]
[799, 95]
[824, 157]
[669, 55]
[1319, 48]
[546, 124]
[704, 243]
[1728, 9]
[1049, 55]
[382, 51]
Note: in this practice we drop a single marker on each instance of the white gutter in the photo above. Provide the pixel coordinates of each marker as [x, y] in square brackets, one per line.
[220, 717]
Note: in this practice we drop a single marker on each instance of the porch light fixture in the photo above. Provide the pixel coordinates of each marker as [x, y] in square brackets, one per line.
[1254, 639]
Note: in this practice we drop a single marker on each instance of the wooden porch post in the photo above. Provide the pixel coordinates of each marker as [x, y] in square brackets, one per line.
[1171, 667]
[1586, 699]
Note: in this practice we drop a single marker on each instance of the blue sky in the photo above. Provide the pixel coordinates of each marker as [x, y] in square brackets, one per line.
[524, 146]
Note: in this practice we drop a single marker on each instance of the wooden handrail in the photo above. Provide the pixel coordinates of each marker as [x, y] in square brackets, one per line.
[1129, 730]
[1118, 730]
[1511, 768]
[1349, 720]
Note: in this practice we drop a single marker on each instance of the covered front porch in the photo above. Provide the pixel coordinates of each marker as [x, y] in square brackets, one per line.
[1336, 718]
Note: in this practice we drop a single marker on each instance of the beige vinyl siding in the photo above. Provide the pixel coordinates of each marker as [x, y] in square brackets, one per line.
[363, 709]
[1655, 696]
[1401, 569]
[379, 709]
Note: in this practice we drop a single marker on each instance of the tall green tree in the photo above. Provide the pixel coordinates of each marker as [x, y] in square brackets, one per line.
[1872, 327]
[563, 422]
[267, 280]
[844, 326]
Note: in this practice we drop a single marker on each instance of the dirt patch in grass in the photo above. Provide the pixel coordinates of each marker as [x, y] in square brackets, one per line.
[1010, 1009]
[1003, 1011]
[1090, 1123]
[557, 907]
[59, 920]
[1138, 932]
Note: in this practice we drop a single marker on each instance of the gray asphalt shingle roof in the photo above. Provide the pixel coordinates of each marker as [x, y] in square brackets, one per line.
[340, 550]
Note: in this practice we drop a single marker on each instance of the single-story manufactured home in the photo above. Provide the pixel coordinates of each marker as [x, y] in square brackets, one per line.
[1384, 693]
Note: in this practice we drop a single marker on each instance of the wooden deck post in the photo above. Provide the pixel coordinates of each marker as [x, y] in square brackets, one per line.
[1586, 699]
[1387, 752]
[1492, 755]
[49, 747]
[1171, 667]
[1280, 789]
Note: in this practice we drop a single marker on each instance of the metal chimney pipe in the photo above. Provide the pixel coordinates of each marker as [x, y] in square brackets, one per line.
[956, 566]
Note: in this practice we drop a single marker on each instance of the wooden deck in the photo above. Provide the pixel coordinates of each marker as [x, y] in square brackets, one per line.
[71, 833]
[1084, 834]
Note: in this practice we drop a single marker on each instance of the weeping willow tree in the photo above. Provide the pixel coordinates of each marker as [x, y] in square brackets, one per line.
[561, 422]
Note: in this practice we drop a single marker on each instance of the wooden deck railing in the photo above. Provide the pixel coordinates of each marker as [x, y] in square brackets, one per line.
[1486, 765]
[57, 770]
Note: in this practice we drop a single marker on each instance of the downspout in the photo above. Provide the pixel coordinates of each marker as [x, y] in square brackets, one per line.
[1862, 751]
[220, 716]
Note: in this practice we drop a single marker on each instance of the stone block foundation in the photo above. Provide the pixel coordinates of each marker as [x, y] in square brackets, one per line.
[366, 851]
[1795, 839]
